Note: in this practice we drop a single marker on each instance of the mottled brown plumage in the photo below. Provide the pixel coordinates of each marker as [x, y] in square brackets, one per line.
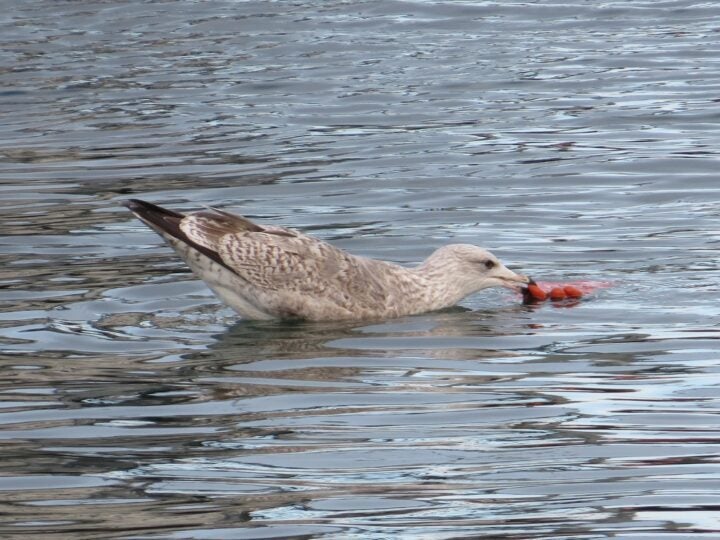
[266, 272]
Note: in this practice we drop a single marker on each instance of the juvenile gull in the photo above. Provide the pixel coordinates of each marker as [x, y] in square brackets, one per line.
[269, 272]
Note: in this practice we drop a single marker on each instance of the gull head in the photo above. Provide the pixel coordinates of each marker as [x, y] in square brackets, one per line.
[472, 269]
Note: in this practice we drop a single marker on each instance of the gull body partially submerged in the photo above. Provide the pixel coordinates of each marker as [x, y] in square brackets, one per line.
[269, 272]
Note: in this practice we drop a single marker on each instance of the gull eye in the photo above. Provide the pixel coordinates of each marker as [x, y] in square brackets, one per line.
[489, 264]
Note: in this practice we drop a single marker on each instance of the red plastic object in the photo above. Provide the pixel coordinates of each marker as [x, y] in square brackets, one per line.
[540, 291]
[536, 292]
[557, 293]
[571, 291]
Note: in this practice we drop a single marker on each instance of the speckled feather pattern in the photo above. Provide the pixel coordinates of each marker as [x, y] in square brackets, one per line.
[266, 272]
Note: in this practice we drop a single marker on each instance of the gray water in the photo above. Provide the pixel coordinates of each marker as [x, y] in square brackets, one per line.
[577, 141]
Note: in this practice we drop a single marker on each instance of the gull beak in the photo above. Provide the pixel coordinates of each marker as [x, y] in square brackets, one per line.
[511, 280]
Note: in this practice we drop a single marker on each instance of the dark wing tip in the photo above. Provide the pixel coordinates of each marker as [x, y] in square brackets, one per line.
[145, 209]
[134, 205]
[167, 223]
[159, 218]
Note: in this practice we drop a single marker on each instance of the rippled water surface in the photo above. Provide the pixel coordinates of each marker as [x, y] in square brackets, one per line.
[576, 140]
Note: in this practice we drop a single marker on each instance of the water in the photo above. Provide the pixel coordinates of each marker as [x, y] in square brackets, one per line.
[576, 140]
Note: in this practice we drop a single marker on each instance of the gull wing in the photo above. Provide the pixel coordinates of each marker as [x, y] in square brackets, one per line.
[290, 269]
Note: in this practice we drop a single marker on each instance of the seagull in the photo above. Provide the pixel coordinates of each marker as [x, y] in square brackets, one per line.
[268, 272]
